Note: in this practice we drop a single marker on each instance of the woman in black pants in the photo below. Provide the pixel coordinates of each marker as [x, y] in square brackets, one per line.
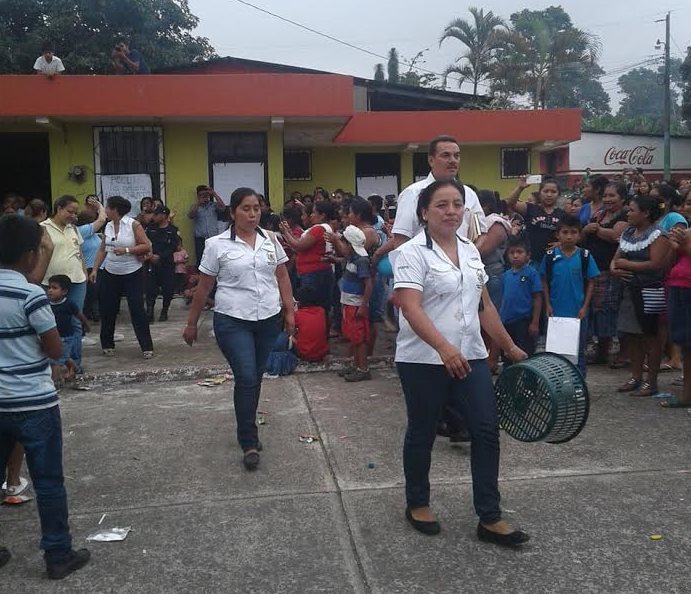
[440, 279]
[122, 249]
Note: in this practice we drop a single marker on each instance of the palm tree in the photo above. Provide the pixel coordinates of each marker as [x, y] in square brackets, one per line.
[531, 58]
[481, 40]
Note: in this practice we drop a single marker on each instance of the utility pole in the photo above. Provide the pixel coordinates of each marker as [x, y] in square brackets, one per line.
[667, 118]
[668, 103]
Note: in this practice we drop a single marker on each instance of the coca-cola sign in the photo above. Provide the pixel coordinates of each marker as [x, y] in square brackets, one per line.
[636, 157]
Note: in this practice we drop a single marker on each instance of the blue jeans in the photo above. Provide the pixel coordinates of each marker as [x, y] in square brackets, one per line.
[77, 295]
[377, 301]
[428, 389]
[246, 345]
[40, 432]
[70, 344]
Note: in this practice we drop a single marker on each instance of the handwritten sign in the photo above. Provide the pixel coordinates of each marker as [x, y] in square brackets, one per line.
[132, 186]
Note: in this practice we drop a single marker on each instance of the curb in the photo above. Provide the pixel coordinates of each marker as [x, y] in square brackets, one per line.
[174, 374]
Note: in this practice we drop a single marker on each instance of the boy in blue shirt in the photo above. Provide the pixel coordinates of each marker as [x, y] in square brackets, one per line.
[29, 412]
[522, 304]
[567, 272]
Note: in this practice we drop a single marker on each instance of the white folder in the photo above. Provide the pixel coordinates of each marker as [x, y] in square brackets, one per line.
[563, 335]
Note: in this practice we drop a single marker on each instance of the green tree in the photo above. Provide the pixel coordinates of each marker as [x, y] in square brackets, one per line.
[544, 56]
[393, 66]
[578, 86]
[644, 95]
[379, 75]
[481, 40]
[84, 32]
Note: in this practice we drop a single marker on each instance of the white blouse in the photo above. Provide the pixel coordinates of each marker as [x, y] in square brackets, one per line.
[246, 276]
[127, 263]
[450, 297]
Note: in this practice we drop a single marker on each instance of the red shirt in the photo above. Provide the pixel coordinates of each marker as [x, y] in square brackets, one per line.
[311, 260]
[680, 275]
[310, 340]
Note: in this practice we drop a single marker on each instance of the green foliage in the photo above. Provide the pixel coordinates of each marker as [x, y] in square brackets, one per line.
[644, 95]
[685, 76]
[84, 32]
[379, 75]
[482, 41]
[545, 57]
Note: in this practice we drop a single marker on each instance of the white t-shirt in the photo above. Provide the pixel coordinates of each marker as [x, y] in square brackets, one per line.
[407, 223]
[52, 67]
[246, 276]
[450, 297]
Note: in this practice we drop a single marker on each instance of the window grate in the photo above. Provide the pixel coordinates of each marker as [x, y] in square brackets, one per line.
[515, 162]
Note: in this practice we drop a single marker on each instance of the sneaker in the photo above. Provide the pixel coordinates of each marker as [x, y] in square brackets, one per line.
[358, 375]
[5, 556]
[148, 354]
[345, 371]
[15, 490]
[73, 561]
[109, 352]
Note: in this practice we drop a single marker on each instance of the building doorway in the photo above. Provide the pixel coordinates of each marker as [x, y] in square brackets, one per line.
[25, 165]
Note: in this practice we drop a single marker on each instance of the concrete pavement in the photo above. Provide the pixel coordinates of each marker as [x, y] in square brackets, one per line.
[328, 516]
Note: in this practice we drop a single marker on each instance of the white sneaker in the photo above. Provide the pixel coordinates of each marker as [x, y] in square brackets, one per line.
[148, 354]
[117, 337]
[16, 489]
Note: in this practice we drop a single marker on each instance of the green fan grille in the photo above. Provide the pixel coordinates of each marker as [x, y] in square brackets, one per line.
[544, 398]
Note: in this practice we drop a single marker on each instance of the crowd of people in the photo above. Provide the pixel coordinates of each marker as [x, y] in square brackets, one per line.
[468, 279]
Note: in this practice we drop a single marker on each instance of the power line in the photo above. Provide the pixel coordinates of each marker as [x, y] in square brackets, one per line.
[342, 42]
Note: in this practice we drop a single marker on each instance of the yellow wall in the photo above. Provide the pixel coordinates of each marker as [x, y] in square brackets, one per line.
[69, 146]
[334, 168]
[186, 164]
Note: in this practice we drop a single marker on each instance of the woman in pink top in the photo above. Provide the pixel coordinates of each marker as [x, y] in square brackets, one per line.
[679, 285]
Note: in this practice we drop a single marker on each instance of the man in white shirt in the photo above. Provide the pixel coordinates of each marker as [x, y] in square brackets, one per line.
[47, 63]
[444, 157]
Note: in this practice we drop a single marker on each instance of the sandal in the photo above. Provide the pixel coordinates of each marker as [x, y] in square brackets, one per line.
[674, 402]
[630, 386]
[645, 390]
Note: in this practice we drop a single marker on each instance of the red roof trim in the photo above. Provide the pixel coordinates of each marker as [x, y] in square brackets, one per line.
[178, 96]
[519, 126]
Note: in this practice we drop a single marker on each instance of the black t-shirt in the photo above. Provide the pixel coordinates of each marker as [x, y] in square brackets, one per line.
[541, 229]
[64, 311]
[163, 242]
[603, 251]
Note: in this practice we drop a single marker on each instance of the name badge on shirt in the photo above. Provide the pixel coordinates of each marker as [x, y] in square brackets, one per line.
[271, 257]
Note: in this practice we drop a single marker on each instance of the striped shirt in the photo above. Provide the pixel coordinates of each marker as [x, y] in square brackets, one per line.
[25, 378]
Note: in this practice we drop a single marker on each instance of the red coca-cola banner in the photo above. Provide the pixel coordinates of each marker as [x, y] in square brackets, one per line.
[636, 157]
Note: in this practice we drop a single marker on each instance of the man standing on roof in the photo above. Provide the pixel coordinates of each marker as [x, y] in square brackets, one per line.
[127, 61]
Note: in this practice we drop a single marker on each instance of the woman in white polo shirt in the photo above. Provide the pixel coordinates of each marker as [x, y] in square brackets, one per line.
[441, 358]
[253, 287]
[123, 247]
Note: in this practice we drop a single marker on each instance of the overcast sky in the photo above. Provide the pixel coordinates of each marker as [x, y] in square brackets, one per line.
[627, 30]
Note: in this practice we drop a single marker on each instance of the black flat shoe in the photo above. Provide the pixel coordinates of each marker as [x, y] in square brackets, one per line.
[251, 460]
[428, 528]
[260, 446]
[515, 539]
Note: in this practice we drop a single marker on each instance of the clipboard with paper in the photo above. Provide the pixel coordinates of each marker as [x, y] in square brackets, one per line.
[563, 335]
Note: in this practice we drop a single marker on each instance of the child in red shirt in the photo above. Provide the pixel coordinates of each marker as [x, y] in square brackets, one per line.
[310, 325]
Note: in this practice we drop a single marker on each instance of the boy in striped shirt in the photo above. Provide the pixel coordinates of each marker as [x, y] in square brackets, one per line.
[29, 412]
